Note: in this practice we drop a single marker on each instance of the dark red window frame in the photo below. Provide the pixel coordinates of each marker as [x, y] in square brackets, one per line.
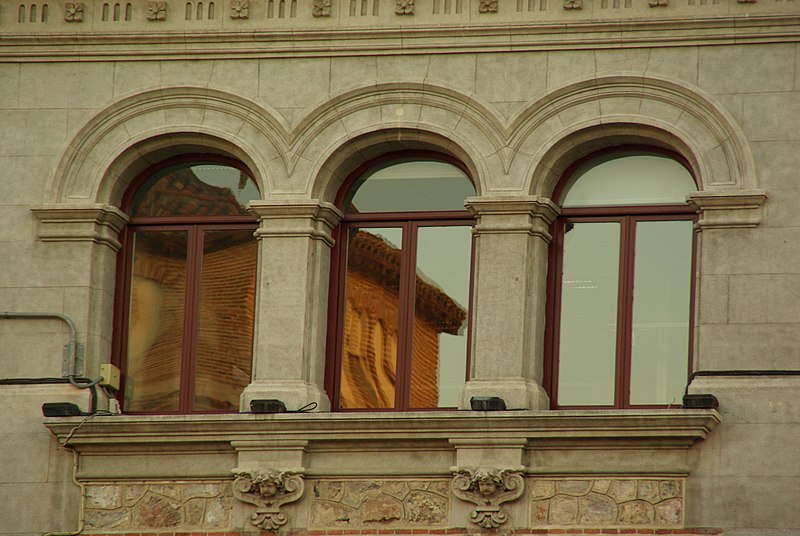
[627, 216]
[195, 226]
[409, 222]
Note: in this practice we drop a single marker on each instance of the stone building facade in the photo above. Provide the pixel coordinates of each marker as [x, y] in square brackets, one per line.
[302, 94]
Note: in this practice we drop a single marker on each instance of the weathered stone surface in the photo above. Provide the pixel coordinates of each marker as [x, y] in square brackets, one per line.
[131, 493]
[670, 488]
[542, 489]
[157, 512]
[107, 519]
[167, 490]
[216, 513]
[381, 509]
[563, 510]
[355, 492]
[103, 497]
[331, 491]
[622, 490]
[440, 488]
[539, 512]
[573, 487]
[426, 508]
[648, 491]
[194, 510]
[636, 513]
[669, 512]
[200, 490]
[330, 514]
[395, 489]
[596, 509]
[601, 486]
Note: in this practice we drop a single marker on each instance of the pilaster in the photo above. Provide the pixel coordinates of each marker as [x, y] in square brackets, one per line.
[512, 237]
[291, 305]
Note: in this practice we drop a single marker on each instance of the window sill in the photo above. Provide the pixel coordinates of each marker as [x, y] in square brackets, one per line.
[396, 444]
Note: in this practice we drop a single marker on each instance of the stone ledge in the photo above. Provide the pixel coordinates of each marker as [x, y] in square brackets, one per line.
[399, 532]
[558, 427]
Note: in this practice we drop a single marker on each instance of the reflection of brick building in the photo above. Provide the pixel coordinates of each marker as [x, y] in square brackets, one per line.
[370, 335]
[158, 298]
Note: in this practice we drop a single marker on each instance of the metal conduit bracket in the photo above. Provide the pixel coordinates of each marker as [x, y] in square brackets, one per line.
[69, 355]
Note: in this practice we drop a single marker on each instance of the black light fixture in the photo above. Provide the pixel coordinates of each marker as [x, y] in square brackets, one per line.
[487, 403]
[700, 402]
[269, 405]
[61, 409]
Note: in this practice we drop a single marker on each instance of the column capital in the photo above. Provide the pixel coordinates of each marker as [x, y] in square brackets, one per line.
[727, 209]
[528, 214]
[91, 222]
[309, 218]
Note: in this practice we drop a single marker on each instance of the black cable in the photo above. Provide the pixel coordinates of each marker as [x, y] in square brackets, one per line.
[51, 381]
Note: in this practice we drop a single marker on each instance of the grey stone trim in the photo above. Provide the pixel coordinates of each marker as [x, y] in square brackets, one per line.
[728, 210]
[80, 223]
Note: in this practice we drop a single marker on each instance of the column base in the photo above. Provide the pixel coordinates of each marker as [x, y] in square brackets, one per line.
[517, 393]
[295, 394]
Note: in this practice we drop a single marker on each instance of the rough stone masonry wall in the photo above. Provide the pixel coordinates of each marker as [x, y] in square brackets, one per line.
[553, 506]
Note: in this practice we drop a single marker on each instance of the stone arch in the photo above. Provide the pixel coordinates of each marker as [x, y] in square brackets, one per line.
[352, 153]
[360, 124]
[142, 129]
[583, 117]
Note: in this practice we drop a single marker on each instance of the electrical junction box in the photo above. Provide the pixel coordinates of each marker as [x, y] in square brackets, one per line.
[110, 375]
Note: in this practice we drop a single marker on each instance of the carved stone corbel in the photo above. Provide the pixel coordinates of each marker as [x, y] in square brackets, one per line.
[488, 488]
[268, 490]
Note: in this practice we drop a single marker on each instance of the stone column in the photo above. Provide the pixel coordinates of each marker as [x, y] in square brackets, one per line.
[291, 302]
[508, 316]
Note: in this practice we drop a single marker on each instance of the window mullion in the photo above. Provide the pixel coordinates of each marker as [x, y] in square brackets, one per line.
[625, 316]
[194, 261]
[405, 337]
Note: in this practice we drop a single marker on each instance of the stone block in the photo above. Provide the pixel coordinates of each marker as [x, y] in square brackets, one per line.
[522, 77]
[746, 69]
[296, 83]
[764, 115]
[80, 85]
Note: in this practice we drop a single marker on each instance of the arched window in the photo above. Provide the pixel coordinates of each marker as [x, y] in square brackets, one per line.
[401, 286]
[185, 300]
[621, 276]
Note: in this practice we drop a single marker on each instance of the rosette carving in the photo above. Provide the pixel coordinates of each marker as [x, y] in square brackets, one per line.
[488, 488]
[268, 490]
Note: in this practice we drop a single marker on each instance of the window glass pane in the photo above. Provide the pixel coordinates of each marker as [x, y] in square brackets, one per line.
[589, 294]
[195, 190]
[155, 325]
[629, 179]
[227, 305]
[439, 347]
[410, 186]
[371, 319]
[662, 289]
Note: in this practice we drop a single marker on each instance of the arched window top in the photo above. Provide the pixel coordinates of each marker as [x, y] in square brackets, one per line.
[195, 188]
[409, 185]
[628, 178]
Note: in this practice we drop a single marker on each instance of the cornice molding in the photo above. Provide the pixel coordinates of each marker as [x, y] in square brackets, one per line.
[681, 30]
[296, 218]
[728, 210]
[96, 223]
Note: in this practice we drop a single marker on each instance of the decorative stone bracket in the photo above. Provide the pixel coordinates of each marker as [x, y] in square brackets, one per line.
[268, 490]
[488, 488]
[728, 210]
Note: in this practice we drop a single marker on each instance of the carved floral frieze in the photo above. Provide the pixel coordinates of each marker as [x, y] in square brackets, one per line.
[268, 490]
[487, 6]
[658, 3]
[73, 12]
[321, 8]
[157, 11]
[240, 9]
[404, 7]
[488, 488]
[573, 4]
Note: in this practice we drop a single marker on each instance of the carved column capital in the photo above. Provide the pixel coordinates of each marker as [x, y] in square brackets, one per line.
[296, 218]
[268, 489]
[530, 215]
[488, 488]
[96, 223]
[728, 210]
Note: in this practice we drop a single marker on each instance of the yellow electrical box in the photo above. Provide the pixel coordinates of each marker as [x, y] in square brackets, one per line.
[110, 375]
